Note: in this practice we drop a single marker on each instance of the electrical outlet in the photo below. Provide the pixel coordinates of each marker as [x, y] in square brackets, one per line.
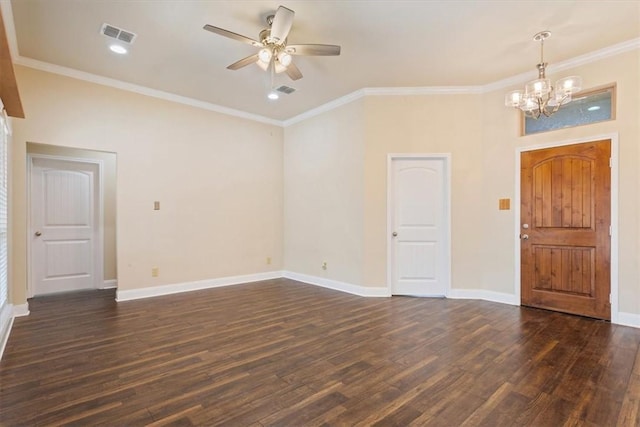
[155, 271]
[268, 260]
[324, 265]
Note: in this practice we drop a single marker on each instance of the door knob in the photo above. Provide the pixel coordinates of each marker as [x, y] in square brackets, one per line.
[525, 237]
[394, 234]
[38, 233]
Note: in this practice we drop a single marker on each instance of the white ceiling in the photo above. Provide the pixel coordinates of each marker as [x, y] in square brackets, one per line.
[384, 43]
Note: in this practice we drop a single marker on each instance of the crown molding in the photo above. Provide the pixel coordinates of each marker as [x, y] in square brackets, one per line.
[587, 58]
[597, 55]
[425, 90]
[142, 90]
[7, 12]
[332, 105]
[383, 91]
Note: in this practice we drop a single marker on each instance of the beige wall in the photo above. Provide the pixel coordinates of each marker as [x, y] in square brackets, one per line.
[109, 195]
[218, 178]
[424, 124]
[500, 135]
[324, 158]
[483, 137]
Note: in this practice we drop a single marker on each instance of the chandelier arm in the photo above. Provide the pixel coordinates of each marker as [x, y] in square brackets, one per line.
[533, 114]
[564, 97]
[556, 108]
[542, 105]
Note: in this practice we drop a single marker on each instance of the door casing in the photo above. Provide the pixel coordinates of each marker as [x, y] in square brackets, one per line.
[446, 158]
[98, 241]
[613, 137]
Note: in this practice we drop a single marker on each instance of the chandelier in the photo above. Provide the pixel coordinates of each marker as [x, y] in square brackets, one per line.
[539, 97]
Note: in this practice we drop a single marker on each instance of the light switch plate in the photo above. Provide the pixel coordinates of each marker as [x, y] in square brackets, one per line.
[504, 204]
[156, 206]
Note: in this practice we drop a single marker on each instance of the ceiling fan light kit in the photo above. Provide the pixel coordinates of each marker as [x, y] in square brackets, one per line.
[284, 58]
[539, 97]
[265, 55]
[275, 56]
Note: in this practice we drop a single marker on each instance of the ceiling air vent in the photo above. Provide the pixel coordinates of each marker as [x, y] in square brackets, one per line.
[286, 89]
[118, 33]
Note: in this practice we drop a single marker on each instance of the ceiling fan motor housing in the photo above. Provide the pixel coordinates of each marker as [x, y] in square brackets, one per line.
[273, 47]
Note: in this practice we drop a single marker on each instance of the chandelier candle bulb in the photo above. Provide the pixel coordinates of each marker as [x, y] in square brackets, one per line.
[514, 98]
[569, 84]
[538, 87]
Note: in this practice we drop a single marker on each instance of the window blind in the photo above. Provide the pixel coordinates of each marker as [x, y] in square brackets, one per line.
[4, 291]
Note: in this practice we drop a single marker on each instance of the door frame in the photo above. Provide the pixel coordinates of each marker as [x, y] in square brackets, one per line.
[613, 137]
[99, 220]
[446, 158]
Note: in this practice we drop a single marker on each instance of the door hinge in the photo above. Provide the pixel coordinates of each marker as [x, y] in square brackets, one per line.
[609, 230]
[610, 162]
[610, 302]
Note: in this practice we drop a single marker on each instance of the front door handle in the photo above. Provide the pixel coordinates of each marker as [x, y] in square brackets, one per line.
[524, 237]
[38, 233]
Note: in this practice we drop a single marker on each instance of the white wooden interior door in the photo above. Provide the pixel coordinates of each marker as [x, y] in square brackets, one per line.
[419, 223]
[64, 226]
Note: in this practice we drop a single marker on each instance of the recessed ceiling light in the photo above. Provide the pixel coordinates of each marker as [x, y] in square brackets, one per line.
[593, 108]
[273, 95]
[118, 49]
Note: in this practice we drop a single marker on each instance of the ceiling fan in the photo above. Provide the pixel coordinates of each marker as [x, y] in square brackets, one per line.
[275, 53]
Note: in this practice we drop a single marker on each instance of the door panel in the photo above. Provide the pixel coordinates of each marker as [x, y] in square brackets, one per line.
[67, 198]
[64, 208]
[419, 219]
[565, 219]
[67, 258]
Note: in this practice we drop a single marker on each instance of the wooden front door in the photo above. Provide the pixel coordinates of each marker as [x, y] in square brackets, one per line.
[565, 229]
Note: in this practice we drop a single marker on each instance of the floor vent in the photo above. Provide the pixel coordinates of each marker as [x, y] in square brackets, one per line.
[118, 33]
[286, 89]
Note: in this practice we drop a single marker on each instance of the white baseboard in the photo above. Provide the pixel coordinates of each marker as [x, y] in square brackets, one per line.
[21, 310]
[483, 294]
[363, 291]
[155, 291]
[628, 319]
[109, 284]
[6, 322]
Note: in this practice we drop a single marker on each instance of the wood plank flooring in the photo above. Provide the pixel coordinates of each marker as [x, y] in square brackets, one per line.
[283, 353]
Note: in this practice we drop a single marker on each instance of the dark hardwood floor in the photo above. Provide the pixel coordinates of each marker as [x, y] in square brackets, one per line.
[284, 353]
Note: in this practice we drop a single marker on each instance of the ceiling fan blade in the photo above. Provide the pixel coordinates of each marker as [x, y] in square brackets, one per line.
[313, 49]
[281, 25]
[232, 35]
[244, 62]
[293, 72]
